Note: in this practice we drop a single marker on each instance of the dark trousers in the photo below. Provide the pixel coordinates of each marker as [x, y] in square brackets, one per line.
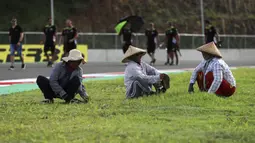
[125, 47]
[71, 88]
[68, 47]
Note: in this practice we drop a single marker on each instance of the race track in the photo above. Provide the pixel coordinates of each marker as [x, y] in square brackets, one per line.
[33, 70]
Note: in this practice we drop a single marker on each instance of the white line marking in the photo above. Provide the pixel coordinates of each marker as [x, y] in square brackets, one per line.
[97, 75]
[4, 85]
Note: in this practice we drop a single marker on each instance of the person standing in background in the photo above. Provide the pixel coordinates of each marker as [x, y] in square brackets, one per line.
[49, 31]
[15, 38]
[211, 34]
[152, 40]
[126, 38]
[172, 42]
[70, 36]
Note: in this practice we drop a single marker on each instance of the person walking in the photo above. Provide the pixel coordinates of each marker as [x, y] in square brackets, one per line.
[70, 35]
[49, 31]
[152, 40]
[172, 42]
[15, 38]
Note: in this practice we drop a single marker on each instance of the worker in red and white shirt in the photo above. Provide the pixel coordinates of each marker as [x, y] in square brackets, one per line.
[213, 75]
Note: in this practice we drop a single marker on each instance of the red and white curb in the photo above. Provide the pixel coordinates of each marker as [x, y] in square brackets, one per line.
[5, 83]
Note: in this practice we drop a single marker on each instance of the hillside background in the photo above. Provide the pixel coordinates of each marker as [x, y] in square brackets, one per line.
[229, 16]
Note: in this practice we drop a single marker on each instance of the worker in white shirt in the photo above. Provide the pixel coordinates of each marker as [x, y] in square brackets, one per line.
[213, 75]
[140, 76]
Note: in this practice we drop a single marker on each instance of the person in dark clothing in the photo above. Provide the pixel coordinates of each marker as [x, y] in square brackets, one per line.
[70, 36]
[167, 58]
[211, 34]
[126, 38]
[172, 43]
[152, 39]
[49, 31]
[15, 38]
[65, 80]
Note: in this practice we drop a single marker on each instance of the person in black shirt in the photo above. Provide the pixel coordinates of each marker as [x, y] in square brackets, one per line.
[172, 42]
[15, 39]
[152, 35]
[210, 33]
[70, 36]
[49, 31]
[126, 38]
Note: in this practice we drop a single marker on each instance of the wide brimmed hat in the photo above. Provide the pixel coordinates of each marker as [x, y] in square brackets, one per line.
[210, 48]
[132, 51]
[74, 55]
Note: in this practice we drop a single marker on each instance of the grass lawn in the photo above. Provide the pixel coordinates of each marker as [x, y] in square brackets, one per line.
[175, 116]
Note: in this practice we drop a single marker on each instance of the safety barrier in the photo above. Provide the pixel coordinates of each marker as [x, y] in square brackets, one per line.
[113, 41]
[35, 53]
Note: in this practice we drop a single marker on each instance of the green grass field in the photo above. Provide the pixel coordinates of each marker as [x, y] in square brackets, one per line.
[175, 116]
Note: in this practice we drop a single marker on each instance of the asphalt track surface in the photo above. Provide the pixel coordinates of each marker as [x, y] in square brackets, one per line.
[33, 70]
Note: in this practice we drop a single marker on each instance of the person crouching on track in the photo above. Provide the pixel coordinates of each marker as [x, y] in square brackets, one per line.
[65, 80]
[152, 39]
[140, 76]
[213, 75]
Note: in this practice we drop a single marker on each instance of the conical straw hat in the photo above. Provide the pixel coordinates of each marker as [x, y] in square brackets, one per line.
[132, 51]
[210, 48]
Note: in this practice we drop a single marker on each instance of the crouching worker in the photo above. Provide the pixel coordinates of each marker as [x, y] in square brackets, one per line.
[65, 80]
[140, 76]
[213, 74]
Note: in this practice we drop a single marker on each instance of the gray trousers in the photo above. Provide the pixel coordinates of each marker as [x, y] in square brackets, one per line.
[139, 88]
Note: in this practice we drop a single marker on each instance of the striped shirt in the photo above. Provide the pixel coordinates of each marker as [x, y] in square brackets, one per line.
[143, 71]
[220, 71]
[60, 77]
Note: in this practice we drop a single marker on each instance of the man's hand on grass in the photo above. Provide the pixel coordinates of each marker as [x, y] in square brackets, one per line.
[191, 88]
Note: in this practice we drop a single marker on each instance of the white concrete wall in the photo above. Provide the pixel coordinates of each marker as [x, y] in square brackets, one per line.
[112, 55]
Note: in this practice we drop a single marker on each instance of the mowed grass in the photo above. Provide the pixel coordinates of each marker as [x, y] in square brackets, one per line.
[175, 116]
